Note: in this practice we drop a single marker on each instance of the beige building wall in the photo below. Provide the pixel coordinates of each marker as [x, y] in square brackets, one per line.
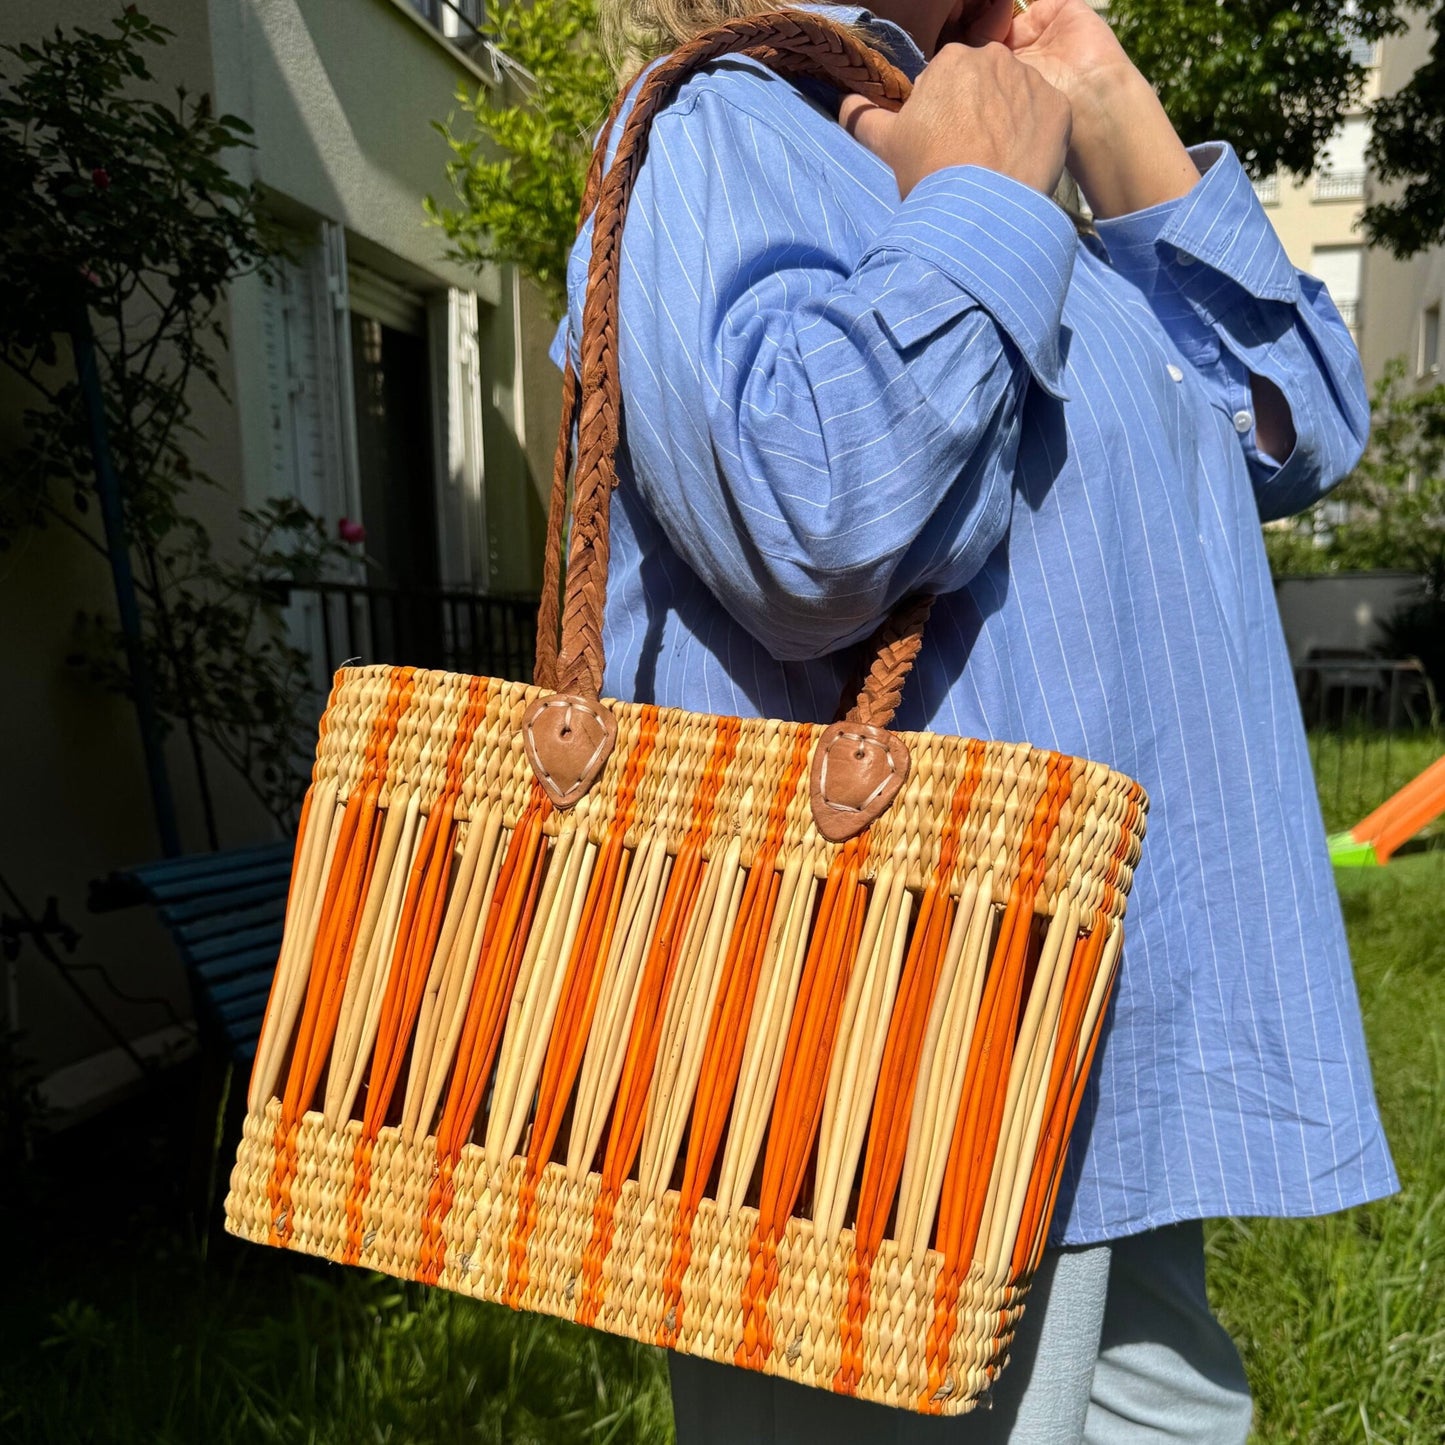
[342, 94]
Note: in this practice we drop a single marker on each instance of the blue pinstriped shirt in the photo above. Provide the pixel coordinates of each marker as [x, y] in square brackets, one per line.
[833, 399]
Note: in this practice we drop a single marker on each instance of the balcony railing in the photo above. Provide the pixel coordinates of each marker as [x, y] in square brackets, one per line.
[1267, 190]
[1349, 309]
[463, 22]
[1365, 52]
[1339, 185]
[454, 630]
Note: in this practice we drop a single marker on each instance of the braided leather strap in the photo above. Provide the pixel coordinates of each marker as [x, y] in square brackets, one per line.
[796, 43]
[549, 610]
[895, 646]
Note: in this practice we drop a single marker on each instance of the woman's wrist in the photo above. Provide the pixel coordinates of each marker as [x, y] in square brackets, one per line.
[1124, 152]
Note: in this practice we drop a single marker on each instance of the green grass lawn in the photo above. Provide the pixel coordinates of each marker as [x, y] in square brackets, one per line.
[116, 1329]
[1342, 1320]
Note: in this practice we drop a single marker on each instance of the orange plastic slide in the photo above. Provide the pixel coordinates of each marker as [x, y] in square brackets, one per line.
[1373, 839]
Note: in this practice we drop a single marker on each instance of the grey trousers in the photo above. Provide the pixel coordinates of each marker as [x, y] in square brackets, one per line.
[1117, 1346]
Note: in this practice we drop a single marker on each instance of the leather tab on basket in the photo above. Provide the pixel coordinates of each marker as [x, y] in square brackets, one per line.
[857, 772]
[568, 741]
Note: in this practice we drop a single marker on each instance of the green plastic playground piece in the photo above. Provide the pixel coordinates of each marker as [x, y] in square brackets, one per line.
[1347, 852]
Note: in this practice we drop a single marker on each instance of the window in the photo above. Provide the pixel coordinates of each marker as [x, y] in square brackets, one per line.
[306, 426]
[373, 415]
[458, 20]
[1430, 340]
[1341, 172]
[1339, 268]
[1268, 190]
[391, 398]
[1362, 52]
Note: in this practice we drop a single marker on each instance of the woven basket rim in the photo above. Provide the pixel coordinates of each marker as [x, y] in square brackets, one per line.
[429, 678]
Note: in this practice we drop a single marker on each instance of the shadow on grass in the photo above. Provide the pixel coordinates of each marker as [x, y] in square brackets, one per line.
[120, 1325]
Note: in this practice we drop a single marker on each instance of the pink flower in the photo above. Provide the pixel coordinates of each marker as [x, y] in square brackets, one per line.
[100, 178]
[350, 531]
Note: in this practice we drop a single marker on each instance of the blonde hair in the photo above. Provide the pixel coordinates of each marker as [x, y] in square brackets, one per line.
[635, 32]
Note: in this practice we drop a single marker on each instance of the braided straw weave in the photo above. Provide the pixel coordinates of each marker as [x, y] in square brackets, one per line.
[667, 1061]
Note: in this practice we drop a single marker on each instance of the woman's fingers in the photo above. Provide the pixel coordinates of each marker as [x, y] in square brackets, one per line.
[1070, 45]
[868, 124]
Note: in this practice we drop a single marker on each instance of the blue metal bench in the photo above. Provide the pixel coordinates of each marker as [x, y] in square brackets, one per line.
[225, 911]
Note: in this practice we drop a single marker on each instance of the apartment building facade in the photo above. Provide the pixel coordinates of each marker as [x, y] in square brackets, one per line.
[406, 400]
[1393, 307]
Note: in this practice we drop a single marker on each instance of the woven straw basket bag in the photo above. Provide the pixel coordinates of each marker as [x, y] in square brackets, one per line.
[759, 1040]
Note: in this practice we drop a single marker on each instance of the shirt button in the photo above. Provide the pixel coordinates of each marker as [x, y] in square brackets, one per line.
[1184, 258]
[1174, 373]
[1243, 420]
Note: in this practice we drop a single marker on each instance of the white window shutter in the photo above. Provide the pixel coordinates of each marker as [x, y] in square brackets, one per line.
[1339, 268]
[1345, 151]
[293, 387]
[336, 331]
[457, 398]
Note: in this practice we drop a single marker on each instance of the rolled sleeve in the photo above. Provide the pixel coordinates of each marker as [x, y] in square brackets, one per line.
[1008, 247]
[819, 432]
[1212, 268]
[1219, 223]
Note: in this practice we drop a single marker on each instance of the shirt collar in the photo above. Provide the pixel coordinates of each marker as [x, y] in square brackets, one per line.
[893, 39]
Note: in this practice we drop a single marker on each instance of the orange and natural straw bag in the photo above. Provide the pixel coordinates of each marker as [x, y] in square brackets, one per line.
[759, 1040]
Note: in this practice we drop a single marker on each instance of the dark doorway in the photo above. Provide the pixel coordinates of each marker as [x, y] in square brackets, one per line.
[398, 487]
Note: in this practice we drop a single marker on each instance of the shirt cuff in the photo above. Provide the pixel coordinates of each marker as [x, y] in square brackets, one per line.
[1219, 223]
[1002, 243]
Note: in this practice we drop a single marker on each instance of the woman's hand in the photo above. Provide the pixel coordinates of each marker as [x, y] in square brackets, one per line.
[1124, 152]
[970, 106]
[1067, 42]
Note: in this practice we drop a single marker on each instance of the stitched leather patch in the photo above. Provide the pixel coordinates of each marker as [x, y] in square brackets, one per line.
[568, 740]
[857, 772]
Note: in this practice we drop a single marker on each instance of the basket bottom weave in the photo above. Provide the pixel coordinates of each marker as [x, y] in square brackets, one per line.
[376, 1204]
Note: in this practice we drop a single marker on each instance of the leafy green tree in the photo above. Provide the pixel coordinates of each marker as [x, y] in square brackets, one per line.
[1272, 77]
[1393, 503]
[517, 167]
[122, 221]
[1408, 144]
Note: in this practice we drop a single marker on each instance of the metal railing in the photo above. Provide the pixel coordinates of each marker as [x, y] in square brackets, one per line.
[1267, 190]
[1339, 185]
[1349, 309]
[1365, 52]
[1356, 690]
[1367, 719]
[454, 630]
[462, 22]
